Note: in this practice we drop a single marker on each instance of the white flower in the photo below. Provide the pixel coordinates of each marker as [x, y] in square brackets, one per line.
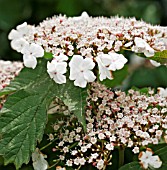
[103, 63]
[101, 136]
[39, 163]
[100, 164]
[82, 161]
[74, 152]
[19, 44]
[93, 140]
[135, 150]
[30, 53]
[62, 157]
[80, 70]
[110, 146]
[141, 46]
[83, 148]
[56, 68]
[21, 31]
[146, 159]
[162, 92]
[76, 161]
[65, 149]
[109, 62]
[69, 162]
[94, 155]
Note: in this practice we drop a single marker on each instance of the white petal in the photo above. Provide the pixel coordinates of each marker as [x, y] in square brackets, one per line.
[50, 66]
[103, 70]
[61, 58]
[14, 35]
[105, 59]
[89, 76]
[84, 15]
[59, 78]
[88, 64]
[75, 64]
[36, 50]
[119, 65]
[154, 63]
[26, 49]
[61, 67]
[19, 44]
[74, 74]
[112, 67]
[81, 82]
[149, 52]
[155, 162]
[76, 61]
[21, 26]
[29, 61]
[140, 43]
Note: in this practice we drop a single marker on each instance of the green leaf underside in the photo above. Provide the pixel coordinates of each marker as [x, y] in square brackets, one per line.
[160, 57]
[24, 115]
[131, 166]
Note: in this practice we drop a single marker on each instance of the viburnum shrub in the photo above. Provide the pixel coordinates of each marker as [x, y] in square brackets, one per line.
[64, 109]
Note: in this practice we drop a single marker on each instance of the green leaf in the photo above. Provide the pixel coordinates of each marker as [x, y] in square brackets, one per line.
[119, 77]
[146, 77]
[48, 55]
[24, 115]
[131, 166]
[75, 98]
[160, 57]
[162, 153]
[26, 78]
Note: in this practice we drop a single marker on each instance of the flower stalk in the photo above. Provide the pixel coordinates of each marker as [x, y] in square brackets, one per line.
[121, 151]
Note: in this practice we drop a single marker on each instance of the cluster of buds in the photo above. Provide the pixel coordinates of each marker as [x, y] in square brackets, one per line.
[114, 119]
[83, 43]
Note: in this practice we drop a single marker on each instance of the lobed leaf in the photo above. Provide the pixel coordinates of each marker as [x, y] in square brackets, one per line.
[24, 115]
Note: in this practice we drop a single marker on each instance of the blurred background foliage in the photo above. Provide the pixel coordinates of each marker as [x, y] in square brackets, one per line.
[14, 12]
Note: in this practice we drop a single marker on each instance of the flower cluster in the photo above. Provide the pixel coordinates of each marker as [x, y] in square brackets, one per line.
[8, 72]
[83, 41]
[114, 119]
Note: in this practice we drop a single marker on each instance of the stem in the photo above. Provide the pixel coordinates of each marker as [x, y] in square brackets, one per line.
[121, 155]
[48, 144]
[53, 165]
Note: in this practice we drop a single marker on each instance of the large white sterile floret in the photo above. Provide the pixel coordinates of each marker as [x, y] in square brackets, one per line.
[30, 53]
[80, 70]
[57, 67]
[141, 46]
[109, 62]
[148, 160]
